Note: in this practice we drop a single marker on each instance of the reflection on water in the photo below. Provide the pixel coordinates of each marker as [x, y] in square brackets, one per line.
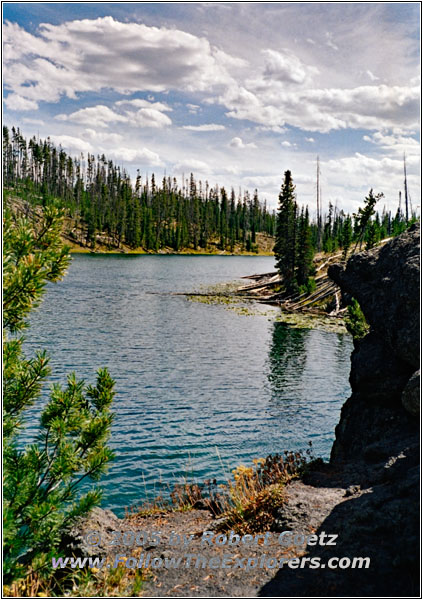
[287, 357]
[307, 376]
[190, 378]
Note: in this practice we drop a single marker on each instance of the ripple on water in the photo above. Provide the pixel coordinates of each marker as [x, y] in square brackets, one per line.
[199, 389]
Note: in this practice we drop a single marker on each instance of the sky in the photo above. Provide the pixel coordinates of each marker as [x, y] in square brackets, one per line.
[236, 93]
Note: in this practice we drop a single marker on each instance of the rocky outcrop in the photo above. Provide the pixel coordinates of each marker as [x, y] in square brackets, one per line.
[385, 281]
[376, 453]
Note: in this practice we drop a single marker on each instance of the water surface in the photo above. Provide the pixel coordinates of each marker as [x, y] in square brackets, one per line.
[192, 379]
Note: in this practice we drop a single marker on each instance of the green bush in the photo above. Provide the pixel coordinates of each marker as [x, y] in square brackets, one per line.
[41, 480]
[356, 322]
[309, 287]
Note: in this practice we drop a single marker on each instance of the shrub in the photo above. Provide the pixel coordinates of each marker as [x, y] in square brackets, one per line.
[256, 492]
[356, 322]
[309, 287]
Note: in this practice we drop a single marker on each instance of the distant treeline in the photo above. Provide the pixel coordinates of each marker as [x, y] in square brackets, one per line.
[145, 214]
[151, 215]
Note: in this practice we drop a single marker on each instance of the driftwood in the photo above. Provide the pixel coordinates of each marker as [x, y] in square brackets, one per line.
[190, 294]
[336, 310]
[329, 292]
[328, 261]
[314, 296]
[256, 286]
[260, 275]
[291, 302]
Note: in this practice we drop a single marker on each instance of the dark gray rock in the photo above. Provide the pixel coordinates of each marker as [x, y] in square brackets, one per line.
[376, 371]
[371, 430]
[306, 507]
[93, 535]
[411, 395]
[385, 281]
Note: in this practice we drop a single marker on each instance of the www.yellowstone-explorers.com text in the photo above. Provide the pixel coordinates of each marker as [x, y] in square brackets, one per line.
[198, 561]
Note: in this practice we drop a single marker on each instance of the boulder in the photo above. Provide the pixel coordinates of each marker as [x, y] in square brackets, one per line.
[92, 535]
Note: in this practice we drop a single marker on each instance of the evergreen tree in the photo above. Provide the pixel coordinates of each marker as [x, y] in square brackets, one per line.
[346, 237]
[41, 480]
[101, 198]
[362, 218]
[372, 237]
[285, 244]
[305, 249]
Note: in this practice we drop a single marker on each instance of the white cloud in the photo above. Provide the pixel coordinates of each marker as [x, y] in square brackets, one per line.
[16, 102]
[142, 157]
[33, 121]
[371, 76]
[231, 170]
[101, 137]
[228, 61]
[73, 145]
[96, 116]
[286, 67]
[149, 114]
[323, 110]
[395, 144]
[107, 143]
[264, 181]
[273, 128]
[193, 108]
[330, 42]
[140, 103]
[149, 117]
[93, 54]
[103, 116]
[361, 172]
[237, 142]
[286, 144]
[206, 127]
[310, 140]
[192, 165]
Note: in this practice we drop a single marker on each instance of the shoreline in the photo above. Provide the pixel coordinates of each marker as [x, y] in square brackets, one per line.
[146, 253]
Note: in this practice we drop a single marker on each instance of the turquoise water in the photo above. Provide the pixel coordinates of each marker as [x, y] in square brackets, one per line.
[193, 380]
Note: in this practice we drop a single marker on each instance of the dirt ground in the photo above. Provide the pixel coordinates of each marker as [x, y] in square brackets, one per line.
[195, 576]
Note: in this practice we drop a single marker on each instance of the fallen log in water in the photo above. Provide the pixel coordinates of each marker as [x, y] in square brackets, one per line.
[260, 275]
[329, 292]
[256, 286]
[314, 296]
[191, 294]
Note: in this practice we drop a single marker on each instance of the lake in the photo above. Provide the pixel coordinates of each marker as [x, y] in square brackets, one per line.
[200, 388]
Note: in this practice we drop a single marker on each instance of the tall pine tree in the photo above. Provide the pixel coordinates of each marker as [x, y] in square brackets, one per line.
[285, 245]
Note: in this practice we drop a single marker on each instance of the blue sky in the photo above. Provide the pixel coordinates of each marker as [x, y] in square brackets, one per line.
[234, 92]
